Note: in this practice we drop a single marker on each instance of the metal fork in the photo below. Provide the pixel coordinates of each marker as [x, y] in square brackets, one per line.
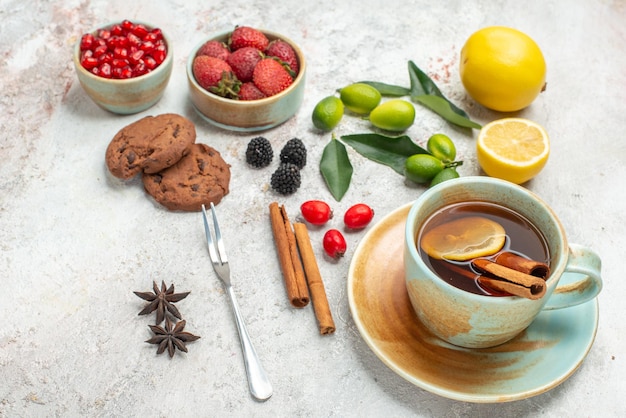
[258, 382]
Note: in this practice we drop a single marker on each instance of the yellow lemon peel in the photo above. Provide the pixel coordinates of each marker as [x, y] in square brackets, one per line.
[464, 239]
[502, 68]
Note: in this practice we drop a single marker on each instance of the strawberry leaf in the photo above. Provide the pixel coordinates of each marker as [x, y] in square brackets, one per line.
[390, 151]
[336, 168]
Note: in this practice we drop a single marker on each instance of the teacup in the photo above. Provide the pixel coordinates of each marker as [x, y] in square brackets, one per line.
[472, 320]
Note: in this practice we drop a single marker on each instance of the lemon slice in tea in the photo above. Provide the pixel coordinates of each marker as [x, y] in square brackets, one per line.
[464, 239]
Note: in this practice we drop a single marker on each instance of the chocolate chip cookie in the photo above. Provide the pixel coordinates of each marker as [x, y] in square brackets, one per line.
[150, 145]
[200, 177]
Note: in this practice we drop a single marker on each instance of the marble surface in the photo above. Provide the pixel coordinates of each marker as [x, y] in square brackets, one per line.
[75, 242]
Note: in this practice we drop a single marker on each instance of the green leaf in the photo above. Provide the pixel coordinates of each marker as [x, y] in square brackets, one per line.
[421, 84]
[390, 151]
[425, 91]
[443, 108]
[388, 89]
[336, 168]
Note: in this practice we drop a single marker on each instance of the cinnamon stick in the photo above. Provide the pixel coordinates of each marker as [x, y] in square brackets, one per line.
[314, 279]
[291, 266]
[509, 280]
[525, 265]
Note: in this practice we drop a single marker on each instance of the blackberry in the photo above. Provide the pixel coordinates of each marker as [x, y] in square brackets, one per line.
[294, 152]
[259, 152]
[286, 178]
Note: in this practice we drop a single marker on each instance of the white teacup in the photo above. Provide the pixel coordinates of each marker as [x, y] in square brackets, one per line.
[476, 321]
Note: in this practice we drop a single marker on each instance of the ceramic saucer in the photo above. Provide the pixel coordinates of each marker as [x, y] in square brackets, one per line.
[539, 359]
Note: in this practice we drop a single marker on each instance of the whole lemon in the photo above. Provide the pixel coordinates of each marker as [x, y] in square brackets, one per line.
[502, 68]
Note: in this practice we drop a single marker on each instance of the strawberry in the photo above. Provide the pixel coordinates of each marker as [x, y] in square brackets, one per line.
[215, 49]
[249, 91]
[271, 77]
[244, 36]
[284, 52]
[208, 70]
[243, 61]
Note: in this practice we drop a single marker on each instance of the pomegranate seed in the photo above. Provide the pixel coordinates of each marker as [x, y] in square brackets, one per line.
[86, 42]
[140, 30]
[121, 53]
[118, 63]
[139, 69]
[127, 25]
[124, 50]
[104, 34]
[151, 64]
[316, 212]
[126, 72]
[157, 32]
[147, 47]
[150, 37]
[159, 54]
[134, 40]
[136, 57]
[334, 243]
[105, 70]
[99, 50]
[117, 30]
[89, 62]
[358, 216]
[106, 57]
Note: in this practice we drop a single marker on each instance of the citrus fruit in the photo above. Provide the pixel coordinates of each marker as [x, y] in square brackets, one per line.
[464, 239]
[360, 98]
[512, 149]
[444, 175]
[442, 147]
[502, 68]
[327, 113]
[394, 115]
[422, 168]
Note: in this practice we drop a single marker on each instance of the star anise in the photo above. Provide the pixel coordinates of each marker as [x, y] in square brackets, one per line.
[171, 337]
[161, 300]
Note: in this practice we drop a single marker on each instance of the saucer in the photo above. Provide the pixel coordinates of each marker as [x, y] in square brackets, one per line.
[543, 356]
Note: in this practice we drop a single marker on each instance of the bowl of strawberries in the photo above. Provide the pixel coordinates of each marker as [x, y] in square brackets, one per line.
[246, 79]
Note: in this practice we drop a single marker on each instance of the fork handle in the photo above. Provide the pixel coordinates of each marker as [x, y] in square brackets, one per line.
[258, 381]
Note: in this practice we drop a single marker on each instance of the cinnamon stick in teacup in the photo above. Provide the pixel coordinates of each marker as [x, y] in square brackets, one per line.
[525, 265]
[506, 279]
[291, 266]
[314, 279]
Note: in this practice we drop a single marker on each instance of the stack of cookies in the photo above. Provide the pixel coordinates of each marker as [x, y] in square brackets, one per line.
[177, 172]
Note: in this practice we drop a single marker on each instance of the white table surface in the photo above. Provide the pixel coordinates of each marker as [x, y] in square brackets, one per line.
[75, 242]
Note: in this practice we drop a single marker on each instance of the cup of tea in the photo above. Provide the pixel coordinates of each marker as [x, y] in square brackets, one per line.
[456, 235]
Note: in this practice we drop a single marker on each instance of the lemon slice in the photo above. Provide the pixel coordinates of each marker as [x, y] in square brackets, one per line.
[512, 149]
[464, 239]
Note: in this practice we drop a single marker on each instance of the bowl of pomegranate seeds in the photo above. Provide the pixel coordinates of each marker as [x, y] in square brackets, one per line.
[124, 67]
[246, 79]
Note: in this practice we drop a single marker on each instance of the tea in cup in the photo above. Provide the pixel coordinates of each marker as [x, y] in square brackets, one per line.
[483, 257]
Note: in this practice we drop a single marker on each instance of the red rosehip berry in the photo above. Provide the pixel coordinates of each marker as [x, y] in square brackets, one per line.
[334, 243]
[358, 216]
[316, 212]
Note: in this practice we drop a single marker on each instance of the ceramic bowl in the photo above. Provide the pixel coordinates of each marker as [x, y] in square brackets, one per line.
[253, 115]
[126, 96]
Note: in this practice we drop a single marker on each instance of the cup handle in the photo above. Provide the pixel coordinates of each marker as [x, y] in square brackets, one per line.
[581, 261]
